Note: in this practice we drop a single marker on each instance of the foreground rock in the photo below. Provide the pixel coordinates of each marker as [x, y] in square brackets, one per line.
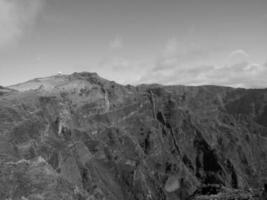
[83, 137]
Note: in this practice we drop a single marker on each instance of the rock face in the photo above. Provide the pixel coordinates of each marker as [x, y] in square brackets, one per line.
[83, 137]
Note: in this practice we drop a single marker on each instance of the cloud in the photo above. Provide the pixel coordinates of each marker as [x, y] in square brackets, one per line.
[171, 47]
[245, 75]
[121, 69]
[237, 56]
[187, 63]
[177, 54]
[238, 70]
[16, 16]
[115, 63]
[116, 43]
[238, 52]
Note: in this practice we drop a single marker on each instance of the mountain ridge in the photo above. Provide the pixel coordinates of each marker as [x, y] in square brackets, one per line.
[96, 75]
[80, 136]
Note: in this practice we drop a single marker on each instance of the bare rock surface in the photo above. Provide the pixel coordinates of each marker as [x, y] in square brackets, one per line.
[83, 137]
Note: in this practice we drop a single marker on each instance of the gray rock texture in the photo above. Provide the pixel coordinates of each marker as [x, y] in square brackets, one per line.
[83, 137]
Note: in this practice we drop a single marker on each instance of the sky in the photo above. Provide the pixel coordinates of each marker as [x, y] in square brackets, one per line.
[189, 42]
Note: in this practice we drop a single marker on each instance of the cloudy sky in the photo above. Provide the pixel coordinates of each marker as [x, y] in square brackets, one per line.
[191, 42]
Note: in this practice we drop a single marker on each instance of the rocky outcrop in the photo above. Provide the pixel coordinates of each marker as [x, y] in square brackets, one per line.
[4, 91]
[83, 137]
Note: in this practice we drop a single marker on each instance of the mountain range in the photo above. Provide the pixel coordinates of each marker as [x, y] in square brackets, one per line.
[80, 136]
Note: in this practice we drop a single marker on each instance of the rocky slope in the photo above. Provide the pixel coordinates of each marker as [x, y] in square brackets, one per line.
[83, 137]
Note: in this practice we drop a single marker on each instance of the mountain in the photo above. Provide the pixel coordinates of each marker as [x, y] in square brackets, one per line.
[4, 90]
[82, 137]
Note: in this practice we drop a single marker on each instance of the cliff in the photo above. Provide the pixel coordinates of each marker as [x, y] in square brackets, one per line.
[81, 137]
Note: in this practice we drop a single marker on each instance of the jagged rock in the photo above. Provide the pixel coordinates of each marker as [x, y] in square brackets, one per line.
[83, 137]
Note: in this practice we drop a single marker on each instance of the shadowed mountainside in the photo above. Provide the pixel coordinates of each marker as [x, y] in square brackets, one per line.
[83, 137]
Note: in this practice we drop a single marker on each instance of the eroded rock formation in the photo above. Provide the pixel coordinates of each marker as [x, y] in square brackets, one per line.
[83, 137]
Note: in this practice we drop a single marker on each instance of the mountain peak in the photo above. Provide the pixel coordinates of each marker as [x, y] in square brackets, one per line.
[85, 74]
[60, 80]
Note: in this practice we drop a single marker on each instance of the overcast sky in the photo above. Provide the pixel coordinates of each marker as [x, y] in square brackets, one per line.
[191, 42]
